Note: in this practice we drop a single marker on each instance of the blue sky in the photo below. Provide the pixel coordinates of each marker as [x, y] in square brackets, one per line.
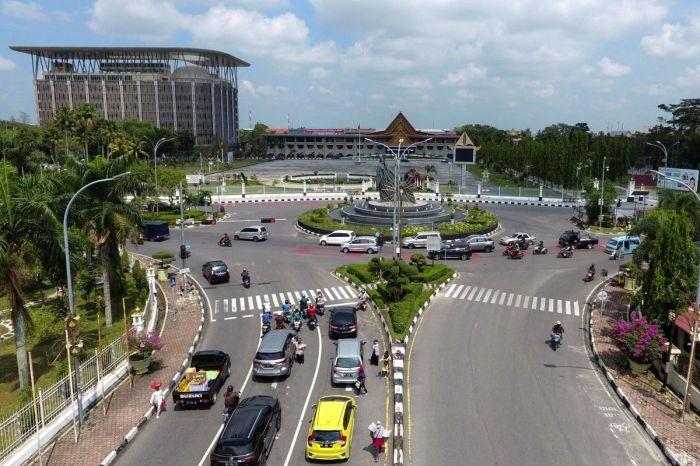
[336, 63]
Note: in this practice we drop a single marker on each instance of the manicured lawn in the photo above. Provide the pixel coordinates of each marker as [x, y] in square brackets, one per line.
[192, 168]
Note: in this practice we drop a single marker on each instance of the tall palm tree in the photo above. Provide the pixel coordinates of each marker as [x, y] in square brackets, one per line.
[430, 170]
[105, 217]
[29, 240]
[683, 201]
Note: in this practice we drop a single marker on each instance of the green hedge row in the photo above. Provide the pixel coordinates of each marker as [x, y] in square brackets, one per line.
[403, 312]
[172, 216]
[437, 274]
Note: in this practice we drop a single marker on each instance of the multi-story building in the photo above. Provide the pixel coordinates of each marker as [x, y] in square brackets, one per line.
[181, 89]
[333, 143]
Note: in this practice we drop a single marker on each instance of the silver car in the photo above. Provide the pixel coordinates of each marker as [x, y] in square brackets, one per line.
[255, 233]
[366, 244]
[347, 361]
[420, 240]
[275, 355]
[479, 243]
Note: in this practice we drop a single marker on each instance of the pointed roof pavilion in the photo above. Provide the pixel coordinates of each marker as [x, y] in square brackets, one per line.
[401, 128]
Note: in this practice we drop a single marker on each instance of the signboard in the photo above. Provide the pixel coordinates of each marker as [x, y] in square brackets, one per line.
[172, 281]
[602, 296]
[464, 155]
[689, 177]
[433, 243]
[185, 271]
[324, 131]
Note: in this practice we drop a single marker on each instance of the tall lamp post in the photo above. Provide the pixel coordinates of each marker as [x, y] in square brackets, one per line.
[664, 150]
[695, 310]
[155, 162]
[396, 234]
[69, 280]
[601, 201]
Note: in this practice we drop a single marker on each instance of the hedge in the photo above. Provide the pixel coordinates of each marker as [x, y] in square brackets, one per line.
[437, 273]
[403, 312]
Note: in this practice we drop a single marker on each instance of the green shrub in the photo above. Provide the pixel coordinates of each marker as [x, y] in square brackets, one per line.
[434, 274]
[377, 298]
[361, 272]
[419, 261]
[164, 256]
[45, 326]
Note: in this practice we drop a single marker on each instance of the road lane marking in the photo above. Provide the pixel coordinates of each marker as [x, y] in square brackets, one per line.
[242, 304]
[216, 306]
[248, 315]
[327, 293]
[568, 308]
[449, 291]
[466, 290]
[274, 300]
[481, 292]
[534, 303]
[230, 318]
[559, 306]
[543, 304]
[351, 291]
[312, 294]
[503, 298]
[517, 300]
[576, 312]
[233, 305]
[343, 292]
[251, 306]
[258, 302]
[495, 296]
[510, 299]
[273, 385]
[471, 295]
[290, 297]
[527, 301]
[458, 291]
[488, 295]
[225, 302]
[336, 294]
[298, 296]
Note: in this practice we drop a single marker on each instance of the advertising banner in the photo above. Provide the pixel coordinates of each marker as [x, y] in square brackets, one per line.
[687, 176]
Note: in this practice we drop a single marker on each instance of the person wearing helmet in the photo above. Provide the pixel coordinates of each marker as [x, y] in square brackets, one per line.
[303, 303]
[231, 398]
[591, 269]
[559, 329]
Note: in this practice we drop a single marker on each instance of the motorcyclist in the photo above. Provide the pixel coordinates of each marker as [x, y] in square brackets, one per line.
[320, 299]
[311, 314]
[279, 322]
[540, 246]
[266, 316]
[303, 303]
[517, 248]
[231, 399]
[558, 328]
[225, 239]
[245, 275]
[591, 269]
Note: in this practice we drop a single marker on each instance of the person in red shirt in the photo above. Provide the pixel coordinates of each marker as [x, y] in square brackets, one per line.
[311, 313]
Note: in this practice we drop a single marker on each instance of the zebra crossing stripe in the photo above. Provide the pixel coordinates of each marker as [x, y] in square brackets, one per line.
[510, 299]
[225, 304]
[282, 298]
[266, 299]
[543, 304]
[327, 293]
[481, 292]
[449, 291]
[242, 304]
[336, 293]
[517, 300]
[458, 291]
[495, 295]
[216, 306]
[298, 296]
[471, 295]
[534, 303]
[351, 291]
[466, 290]
[274, 300]
[527, 301]
[290, 297]
[251, 306]
[233, 304]
[312, 294]
[576, 313]
[487, 295]
[342, 291]
[559, 308]
[258, 302]
[568, 308]
[503, 298]
[551, 305]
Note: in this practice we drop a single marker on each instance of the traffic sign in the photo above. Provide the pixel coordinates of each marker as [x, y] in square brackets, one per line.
[187, 247]
[172, 281]
[186, 270]
[602, 296]
[433, 243]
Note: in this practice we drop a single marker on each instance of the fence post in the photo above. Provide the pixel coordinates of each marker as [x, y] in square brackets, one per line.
[41, 409]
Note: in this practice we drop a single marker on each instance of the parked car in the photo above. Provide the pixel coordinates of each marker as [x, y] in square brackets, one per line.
[275, 355]
[451, 251]
[343, 322]
[156, 230]
[249, 433]
[216, 271]
[348, 361]
[366, 244]
[516, 238]
[478, 243]
[255, 233]
[338, 237]
[330, 433]
[419, 240]
[203, 379]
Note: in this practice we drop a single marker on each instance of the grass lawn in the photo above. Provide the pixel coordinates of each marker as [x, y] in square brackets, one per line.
[498, 179]
[192, 168]
[607, 230]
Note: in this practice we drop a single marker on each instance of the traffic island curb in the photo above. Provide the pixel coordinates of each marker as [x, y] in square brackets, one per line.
[129, 437]
[613, 383]
[398, 353]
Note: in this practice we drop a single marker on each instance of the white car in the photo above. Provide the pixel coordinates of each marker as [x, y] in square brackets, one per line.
[337, 238]
[516, 238]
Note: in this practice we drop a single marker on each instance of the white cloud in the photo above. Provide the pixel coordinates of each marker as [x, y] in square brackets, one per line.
[318, 89]
[319, 72]
[465, 94]
[655, 89]
[465, 75]
[148, 20]
[610, 69]
[674, 40]
[24, 10]
[7, 64]
[263, 90]
[377, 97]
[544, 91]
[412, 82]
[690, 79]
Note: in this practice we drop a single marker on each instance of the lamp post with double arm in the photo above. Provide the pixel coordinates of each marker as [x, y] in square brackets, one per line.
[155, 162]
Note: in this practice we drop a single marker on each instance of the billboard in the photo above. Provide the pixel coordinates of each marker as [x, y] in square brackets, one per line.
[465, 155]
[688, 176]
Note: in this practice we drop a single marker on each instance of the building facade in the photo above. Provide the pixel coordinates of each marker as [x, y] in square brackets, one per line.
[333, 143]
[181, 89]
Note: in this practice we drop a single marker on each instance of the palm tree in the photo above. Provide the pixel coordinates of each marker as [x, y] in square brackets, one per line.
[105, 217]
[682, 201]
[430, 170]
[29, 240]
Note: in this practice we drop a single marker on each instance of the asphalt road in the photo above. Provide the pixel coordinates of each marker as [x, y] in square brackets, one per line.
[481, 351]
[288, 262]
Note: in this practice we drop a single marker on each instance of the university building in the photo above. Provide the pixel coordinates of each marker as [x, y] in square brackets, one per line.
[181, 89]
[330, 143]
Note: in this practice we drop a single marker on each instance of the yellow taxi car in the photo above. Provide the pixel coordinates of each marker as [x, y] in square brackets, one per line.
[330, 434]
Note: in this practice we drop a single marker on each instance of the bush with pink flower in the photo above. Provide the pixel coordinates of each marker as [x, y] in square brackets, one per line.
[640, 339]
[142, 344]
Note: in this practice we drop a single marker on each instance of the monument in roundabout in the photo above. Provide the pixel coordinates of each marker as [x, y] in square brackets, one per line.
[396, 192]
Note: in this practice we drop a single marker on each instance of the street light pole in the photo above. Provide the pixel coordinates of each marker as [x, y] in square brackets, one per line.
[69, 280]
[155, 163]
[601, 201]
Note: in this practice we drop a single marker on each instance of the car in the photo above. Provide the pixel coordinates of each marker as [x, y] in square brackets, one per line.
[330, 433]
[343, 322]
[338, 237]
[516, 238]
[419, 240]
[255, 233]
[366, 244]
[275, 355]
[216, 271]
[249, 433]
[451, 251]
[347, 361]
[478, 243]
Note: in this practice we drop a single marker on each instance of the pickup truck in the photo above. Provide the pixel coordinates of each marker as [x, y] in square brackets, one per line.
[156, 230]
[578, 241]
[201, 382]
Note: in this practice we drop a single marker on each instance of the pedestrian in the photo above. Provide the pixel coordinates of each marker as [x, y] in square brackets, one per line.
[386, 363]
[300, 347]
[378, 433]
[157, 398]
[374, 360]
[360, 382]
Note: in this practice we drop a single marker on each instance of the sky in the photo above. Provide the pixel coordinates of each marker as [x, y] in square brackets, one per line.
[339, 63]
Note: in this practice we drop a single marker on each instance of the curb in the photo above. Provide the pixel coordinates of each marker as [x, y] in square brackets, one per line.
[129, 437]
[398, 352]
[618, 391]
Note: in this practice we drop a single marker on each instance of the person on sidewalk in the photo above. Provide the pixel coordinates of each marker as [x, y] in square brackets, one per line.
[157, 398]
[378, 434]
[374, 360]
[360, 382]
[386, 363]
[300, 347]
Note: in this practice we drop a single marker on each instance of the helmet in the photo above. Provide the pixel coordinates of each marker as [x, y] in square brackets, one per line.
[558, 322]
[229, 388]
[286, 301]
[303, 294]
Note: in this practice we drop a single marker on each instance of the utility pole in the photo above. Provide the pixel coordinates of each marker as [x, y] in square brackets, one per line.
[601, 201]
[185, 288]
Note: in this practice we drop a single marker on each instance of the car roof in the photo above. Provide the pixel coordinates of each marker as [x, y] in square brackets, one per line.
[348, 347]
[329, 410]
[240, 427]
[253, 226]
[341, 231]
[365, 237]
[274, 339]
[344, 310]
[215, 263]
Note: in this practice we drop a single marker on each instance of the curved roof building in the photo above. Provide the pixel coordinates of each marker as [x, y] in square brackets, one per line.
[182, 89]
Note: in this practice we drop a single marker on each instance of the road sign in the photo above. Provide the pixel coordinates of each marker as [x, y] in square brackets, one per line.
[433, 243]
[185, 270]
[603, 295]
[187, 247]
[172, 281]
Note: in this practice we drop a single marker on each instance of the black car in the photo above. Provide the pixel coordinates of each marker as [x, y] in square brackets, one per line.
[452, 251]
[249, 433]
[343, 322]
[216, 271]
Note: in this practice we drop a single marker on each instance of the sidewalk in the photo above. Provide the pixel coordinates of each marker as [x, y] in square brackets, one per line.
[660, 410]
[126, 406]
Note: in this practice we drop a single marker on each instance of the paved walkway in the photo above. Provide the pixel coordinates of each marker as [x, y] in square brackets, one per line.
[661, 410]
[126, 406]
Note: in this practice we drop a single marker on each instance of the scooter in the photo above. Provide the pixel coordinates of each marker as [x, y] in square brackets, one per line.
[246, 282]
[613, 256]
[361, 305]
[296, 325]
[320, 308]
[312, 324]
[539, 250]
[565, 253]
[555, 341]
[589, 276]
[225, 242]
[265, 327]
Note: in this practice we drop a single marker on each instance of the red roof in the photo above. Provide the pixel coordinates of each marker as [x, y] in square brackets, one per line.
[648, 181]
[685, 322]
[276, 131]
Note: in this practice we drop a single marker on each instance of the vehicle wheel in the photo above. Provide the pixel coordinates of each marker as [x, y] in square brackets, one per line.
[590, 246]
[256, 239]
[411, 246]
[228, 371]
[488, 249]
[213, 399]
[236, 237]
[370, 251]
[323, 243]
[345, 250]
[464, 257]
[278, 425]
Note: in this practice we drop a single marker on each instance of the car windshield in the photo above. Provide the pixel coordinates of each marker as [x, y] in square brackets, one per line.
[326, 436]
[347, 362]
[612, 244]
[219, 268]
[234, 450]
[343, 318]
[269, 356]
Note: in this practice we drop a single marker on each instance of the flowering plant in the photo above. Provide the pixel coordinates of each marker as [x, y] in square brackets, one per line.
[640, 339]
[143, 343]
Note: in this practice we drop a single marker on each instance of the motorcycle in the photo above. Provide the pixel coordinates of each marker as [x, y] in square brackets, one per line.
[555, 340]
[265, 327]
[320, 308]
[565, 253]
[296, 325]
[589, 276]
[246, 282]
[225, 242]
[312, 324]
[539, 250]
[513, 253]
[613, 256]
[361, 305]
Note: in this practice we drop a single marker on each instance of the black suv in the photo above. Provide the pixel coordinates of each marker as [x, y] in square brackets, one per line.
[216, 271]
[249, 433]
[452, 251]
[343, 322]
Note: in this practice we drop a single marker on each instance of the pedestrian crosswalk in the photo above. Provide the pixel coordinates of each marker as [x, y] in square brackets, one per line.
[505, 298]
[231, 307]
